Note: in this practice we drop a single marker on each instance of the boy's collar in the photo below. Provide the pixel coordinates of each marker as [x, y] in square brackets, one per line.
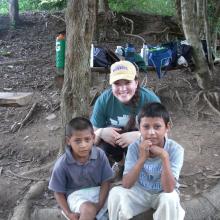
[71, 159]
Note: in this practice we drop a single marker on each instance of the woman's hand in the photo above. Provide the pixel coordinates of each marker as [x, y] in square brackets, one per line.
[127, 138]
[110, 134]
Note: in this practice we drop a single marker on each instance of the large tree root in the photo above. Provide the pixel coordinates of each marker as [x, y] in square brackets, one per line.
[204, 207]
[23, 210]
[47, 214]
[37, 170]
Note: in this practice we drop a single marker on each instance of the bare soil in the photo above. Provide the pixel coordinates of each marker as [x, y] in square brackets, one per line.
[27, 64]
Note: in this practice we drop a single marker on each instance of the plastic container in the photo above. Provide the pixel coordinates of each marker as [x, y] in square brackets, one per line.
[92, 56]
[144, 53]
[119, 51]
[130, 52]
[60, 51]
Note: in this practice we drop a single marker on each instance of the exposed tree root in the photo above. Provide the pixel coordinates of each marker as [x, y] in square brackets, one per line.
[37, 170]
[214, 109]
[178, 98]
[131, 22]
[136, 36]
[22, 177]
[19, 125]
[202, 207]
[46, 214]
[23, 210]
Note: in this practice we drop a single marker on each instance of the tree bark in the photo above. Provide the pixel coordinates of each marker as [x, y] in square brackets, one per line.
[103, 6]
[214, 24]
[178, 12]
[191, 32]
[13, 12]
[208, 37]
[80, 23]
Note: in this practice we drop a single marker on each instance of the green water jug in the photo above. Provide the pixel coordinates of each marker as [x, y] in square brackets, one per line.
[60, 51]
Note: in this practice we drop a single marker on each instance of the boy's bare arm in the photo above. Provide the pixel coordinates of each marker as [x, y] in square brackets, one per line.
[104, 190]
[167, 179]
[131, 177]
[61, 200]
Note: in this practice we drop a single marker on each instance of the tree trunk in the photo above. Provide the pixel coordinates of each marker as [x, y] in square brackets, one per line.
[191, 32]
[80, 23]
[103, 6]
[13, 12]
[178, 13]
[200, 18]
[214, 24]
[208, 37]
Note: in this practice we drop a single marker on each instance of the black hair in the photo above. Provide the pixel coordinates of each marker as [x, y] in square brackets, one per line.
[153, 110]
[77, 124]
[131, 124]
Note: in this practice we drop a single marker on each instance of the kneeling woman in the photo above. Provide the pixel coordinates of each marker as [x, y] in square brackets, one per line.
[115, 111]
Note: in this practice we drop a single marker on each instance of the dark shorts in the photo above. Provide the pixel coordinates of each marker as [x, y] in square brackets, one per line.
[114, 154]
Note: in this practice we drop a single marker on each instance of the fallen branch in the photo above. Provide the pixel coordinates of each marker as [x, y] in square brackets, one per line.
[19, 125]
[179, 99]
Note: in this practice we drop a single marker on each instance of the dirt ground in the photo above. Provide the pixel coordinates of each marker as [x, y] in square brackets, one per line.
[27, 64]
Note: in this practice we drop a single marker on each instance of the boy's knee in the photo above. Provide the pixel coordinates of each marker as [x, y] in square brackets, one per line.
[88, 209]
[169, 198]
[116, 193]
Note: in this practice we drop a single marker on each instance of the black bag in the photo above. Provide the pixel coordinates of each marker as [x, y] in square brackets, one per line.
[104, 57]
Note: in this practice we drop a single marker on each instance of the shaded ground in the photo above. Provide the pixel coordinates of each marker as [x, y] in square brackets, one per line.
[27, 57]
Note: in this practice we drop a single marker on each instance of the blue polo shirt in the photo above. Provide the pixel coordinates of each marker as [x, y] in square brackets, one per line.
[70, 175]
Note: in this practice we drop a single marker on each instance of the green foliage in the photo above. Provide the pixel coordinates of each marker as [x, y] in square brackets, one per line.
[24, 5]
[162, 7]
[3, 6]
[33, 5]
[52, 4]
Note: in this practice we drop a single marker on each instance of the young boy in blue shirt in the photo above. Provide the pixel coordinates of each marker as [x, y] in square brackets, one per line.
[81, 176]
[152, 168]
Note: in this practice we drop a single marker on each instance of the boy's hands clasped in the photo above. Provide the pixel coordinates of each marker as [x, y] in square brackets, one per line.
[147, 149]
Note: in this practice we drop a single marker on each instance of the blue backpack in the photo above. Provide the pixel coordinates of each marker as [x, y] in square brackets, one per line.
[159, 57]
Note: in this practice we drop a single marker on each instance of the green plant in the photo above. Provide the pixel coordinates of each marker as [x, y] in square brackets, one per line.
[51, 4]
[161, 7]
[3, 6]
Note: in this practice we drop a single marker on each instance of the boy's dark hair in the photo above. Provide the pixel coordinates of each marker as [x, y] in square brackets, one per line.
[77, 124]
[152, 110]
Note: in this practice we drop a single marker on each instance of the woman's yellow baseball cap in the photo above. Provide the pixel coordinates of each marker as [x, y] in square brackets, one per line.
[122, 70]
